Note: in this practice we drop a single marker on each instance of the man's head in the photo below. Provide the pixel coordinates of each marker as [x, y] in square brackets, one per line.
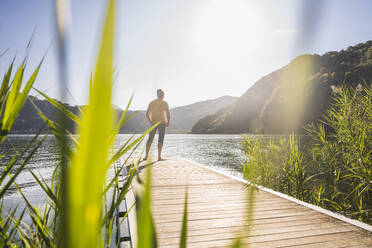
[160, 93]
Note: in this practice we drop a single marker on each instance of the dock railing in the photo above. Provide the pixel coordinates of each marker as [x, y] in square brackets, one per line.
[123, 231]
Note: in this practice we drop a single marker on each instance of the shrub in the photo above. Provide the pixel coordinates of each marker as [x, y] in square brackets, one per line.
[332, 168]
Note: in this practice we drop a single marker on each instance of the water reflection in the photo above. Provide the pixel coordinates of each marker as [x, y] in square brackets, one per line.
[221, 152]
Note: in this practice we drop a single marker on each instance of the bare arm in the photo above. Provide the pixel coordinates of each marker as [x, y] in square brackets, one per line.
[168, 116]
[148, 115]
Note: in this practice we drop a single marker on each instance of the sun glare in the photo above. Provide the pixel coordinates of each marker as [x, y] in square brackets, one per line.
[225, 29]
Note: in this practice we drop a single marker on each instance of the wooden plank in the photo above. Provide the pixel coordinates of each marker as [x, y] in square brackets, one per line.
[256, 236]
[327, 241]
[239, 230]
[218, 213]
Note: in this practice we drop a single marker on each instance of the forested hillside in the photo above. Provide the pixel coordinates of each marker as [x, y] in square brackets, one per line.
[182, 118]
[293, 96]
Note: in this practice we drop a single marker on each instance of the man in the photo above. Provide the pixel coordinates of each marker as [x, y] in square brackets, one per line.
[157, 111]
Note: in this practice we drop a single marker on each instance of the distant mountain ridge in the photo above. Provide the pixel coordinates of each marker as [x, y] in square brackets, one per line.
[182, 118]
[286, 100]
[186, 116]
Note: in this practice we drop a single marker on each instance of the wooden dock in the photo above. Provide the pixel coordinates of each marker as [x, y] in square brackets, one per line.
[217, 213]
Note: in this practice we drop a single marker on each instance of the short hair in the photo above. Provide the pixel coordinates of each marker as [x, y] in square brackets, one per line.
[160, 92]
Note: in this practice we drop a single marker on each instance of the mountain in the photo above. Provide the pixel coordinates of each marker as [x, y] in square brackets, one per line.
[288, 99]
[182, 118]
[186, 116]
[29, 121]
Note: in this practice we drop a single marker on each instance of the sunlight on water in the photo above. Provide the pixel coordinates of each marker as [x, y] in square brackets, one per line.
[221, 152]
[218, 151]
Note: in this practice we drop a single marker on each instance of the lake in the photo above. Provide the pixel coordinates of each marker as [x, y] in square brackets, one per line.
[222, 152]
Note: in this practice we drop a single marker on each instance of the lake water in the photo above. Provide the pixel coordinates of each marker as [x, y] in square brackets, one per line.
[221, 152]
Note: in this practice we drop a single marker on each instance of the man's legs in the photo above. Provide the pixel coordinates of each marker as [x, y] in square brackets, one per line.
[148, 146]
[161, 140]
[149, 142]
[160, 147]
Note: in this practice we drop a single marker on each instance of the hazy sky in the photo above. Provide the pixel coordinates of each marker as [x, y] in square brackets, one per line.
[193, 49]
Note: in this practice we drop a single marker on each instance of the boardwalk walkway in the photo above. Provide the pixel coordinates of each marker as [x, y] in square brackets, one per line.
[218, 207]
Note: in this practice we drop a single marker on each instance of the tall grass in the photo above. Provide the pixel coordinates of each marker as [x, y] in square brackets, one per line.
[78, 211]
[276, 163]
[331, 166]
[12, 99]
[86, 174]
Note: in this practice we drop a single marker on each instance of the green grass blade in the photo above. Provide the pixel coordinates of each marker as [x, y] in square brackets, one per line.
[17, 157]
[118, 172]
[17, 219]
[146, 234]
[54, 126]
[121, 195]
[20, 168]
[61, 108]
[5, 85]
[125, 149]
[125, 216]
[22, 97]
[6, 230]
[17, 224]
[183, 239]
[122, 120]
[236, 244]
[42, 230]
[46, 189]
[8, 168]
[12, 96]
[37, 220]
[16, 100]
[15, 87]
[87, 172]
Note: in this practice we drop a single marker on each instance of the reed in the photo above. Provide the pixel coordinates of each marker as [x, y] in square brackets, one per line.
[12, 99]
[79, 210]
[331, 166]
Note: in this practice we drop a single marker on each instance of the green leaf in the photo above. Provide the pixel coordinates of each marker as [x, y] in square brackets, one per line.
[61, 108]
[87, 173]
[146, 234]
[54, 127]
[45, 188]
[125, 148]
[122, 120]
[5, 85]
[37, 220]
[16, 100]
[20, 168]
[15, 88]
[236, 243]
[122, 194]
[183, 239]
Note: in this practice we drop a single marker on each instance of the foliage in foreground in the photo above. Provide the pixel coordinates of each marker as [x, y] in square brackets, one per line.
[79, 210]
[12, 99]
[81, 202]
[80, 205]
[330, 167]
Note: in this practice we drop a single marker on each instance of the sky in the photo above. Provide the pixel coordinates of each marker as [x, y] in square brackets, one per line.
[193, 49]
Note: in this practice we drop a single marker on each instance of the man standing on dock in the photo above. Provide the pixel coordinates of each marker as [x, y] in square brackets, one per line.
[157, 111]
